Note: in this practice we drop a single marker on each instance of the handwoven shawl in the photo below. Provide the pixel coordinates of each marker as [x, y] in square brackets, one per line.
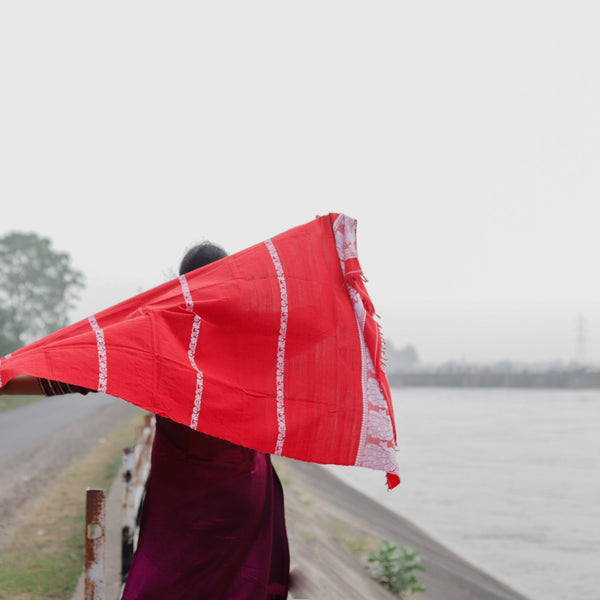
[276, 348]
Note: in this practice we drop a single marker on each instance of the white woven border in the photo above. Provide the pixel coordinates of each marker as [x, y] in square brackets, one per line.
[361, 315]
[344, 230]
[102, 362]
[376, 443]
[189, 305]
[283, 323]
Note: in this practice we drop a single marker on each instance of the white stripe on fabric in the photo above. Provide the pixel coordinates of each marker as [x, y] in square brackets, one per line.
[189, 305]
[102, 362]
[281, 426]
[187, 295]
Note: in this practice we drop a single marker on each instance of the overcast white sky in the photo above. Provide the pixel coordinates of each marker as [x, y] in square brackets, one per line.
[464, 136]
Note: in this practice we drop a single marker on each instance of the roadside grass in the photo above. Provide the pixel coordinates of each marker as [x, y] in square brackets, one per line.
[44, 556]
[10, 402]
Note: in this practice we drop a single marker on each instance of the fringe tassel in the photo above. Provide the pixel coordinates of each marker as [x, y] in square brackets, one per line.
[356, 280]
[392, 480]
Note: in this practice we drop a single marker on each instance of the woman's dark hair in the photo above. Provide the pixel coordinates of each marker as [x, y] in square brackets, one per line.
[199, 256]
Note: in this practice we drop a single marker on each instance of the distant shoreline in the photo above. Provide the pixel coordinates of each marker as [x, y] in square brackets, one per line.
[576, 379]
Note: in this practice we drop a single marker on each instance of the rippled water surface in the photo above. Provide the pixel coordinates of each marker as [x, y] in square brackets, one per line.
[510, 479]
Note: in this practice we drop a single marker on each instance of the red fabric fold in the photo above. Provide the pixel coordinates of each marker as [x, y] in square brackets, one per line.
[284, 331]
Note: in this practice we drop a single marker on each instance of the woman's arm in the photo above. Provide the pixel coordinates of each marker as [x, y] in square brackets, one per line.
[33, 386]
[22, 384]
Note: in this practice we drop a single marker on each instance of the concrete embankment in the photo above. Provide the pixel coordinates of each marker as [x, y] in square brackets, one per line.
[331, 528]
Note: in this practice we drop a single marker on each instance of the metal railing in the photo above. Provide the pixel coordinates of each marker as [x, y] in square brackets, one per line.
[136, 467]
[135, 470]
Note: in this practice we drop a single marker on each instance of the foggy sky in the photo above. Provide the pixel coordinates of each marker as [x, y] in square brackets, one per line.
[463, 136]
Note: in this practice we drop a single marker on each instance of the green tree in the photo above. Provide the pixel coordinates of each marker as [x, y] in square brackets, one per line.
[38, 287]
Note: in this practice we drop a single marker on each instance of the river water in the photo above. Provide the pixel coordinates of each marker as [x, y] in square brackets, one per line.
[508, 478]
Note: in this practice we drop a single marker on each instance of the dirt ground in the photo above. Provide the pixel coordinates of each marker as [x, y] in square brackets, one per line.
[25, 476]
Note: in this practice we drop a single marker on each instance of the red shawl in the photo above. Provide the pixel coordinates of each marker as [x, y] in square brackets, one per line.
[275, 348]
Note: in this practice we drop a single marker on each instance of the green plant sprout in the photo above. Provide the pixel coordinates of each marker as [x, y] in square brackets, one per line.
[394, 568]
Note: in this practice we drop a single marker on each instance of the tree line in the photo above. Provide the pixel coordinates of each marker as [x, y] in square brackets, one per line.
[38, 288]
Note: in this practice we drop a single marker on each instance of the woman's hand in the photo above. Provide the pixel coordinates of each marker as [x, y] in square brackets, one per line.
[21, 385]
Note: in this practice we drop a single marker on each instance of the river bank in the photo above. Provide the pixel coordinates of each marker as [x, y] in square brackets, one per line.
[331, 528]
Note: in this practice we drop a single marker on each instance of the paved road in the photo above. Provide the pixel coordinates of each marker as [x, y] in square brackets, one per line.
[29, 425]
[41, 439]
